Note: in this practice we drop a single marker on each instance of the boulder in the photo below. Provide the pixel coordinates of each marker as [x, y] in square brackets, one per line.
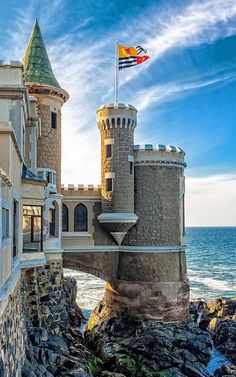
[224, 338]
[75, 314]
[226, 371]
[150, 349]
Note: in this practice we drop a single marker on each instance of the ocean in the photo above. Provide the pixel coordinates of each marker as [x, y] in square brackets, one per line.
[211, 263]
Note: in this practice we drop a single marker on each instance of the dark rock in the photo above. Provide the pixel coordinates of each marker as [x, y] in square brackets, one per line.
[224, 337]
[226, 371]
[112, 374]
[75, 314]
[195, 370]
[148, 348]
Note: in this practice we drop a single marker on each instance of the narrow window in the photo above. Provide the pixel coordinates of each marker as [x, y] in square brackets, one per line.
[15, 228]
[109, 184]
[52, 220]
[53, 119]
[131, 167]
[5, 223]
[64, 218]
[81, 218]
[108, 150]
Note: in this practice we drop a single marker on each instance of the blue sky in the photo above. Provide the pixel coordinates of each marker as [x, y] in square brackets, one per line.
[185, 93]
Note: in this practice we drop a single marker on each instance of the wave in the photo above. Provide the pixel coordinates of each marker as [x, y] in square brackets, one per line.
[214, 284]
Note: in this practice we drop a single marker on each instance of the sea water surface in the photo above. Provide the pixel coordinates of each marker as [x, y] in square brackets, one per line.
[211, 263]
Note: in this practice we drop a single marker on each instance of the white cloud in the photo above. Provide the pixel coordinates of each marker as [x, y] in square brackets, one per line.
[211, 200]
[173, 90]
[200, 22]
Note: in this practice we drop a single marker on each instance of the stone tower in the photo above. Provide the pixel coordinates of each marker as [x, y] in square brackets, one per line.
[116, 125]
[50, 96]
[143, 208]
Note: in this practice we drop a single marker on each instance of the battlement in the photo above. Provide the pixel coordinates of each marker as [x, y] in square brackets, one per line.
[160, 154]
[12, 64]
[120, 116]
[118, 106]
[81, 190]
[158, 147]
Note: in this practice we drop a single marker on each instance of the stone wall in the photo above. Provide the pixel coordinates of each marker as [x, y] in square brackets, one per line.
[157, 204]
[36, 307]
[49, 144]
[117, 124]
[101, 237]
[45, 297]
[121, 198]
[13, 334]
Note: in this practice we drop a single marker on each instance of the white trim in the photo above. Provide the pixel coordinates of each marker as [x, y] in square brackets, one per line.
[109, 141]
[153, 249]
[10, 284]
[117, 217]
[82, 198]
[76, 234]
[110, 175]
[124, 249]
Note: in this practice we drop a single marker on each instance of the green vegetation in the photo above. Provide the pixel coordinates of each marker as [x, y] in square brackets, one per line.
[94, 366]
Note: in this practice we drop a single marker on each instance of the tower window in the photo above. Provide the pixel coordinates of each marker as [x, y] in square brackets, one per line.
[52, 220]
[109, 184]
[108, 150]
[131, 167]
[64, 218]
[53, 120]
[81, 218]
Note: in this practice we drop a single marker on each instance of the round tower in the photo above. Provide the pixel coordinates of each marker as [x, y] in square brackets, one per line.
[42, 84]
[116, 125]
[152, 278]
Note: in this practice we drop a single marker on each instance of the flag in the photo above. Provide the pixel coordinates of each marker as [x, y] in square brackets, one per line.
[130, 56]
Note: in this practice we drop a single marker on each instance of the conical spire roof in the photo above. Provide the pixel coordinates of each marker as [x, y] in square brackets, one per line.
[38, 69]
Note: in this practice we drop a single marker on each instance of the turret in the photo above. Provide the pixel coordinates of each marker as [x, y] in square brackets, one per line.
[116, 125]
[42, 84]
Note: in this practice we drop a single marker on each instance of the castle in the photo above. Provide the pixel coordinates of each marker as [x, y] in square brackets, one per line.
[129, 231]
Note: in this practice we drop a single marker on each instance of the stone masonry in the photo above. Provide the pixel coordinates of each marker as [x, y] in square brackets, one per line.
[13, 335]
[49, 144]
[117, 127]
[157, 198]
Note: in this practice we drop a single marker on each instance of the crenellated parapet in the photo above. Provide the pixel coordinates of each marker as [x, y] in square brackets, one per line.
[120, 116]
[159, 154]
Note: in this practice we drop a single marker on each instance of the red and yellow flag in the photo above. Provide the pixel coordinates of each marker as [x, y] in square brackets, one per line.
[130, 56]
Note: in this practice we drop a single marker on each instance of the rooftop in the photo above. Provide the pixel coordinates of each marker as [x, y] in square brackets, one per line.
[38, 69]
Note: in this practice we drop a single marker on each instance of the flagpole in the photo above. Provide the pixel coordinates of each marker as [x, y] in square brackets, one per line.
[116, 76]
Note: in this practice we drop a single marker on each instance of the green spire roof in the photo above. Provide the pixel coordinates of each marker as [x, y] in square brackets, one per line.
[38, 69]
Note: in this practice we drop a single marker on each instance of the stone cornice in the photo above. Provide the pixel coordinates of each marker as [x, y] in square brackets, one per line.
[160, 163]
[47, 90]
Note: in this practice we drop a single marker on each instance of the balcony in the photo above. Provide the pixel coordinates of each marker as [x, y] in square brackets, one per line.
[48, 175]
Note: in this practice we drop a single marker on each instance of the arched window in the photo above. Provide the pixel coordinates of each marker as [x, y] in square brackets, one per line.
[53, 219]
[64, 218]
[81, 218]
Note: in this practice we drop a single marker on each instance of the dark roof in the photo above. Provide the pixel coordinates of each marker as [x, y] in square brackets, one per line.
[38, 69]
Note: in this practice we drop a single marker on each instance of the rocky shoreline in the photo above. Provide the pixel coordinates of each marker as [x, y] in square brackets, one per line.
[129, 348]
